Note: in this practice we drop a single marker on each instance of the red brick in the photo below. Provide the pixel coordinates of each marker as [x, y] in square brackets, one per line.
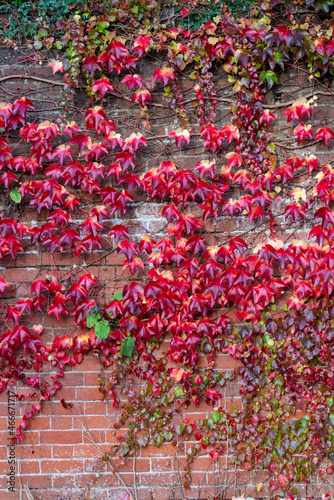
[9, 495]
[97, 408]
[29, 467]
[62, 422]
[61, 466]
[162, 479]
[42, 481]
[88, 394]
[97, 436]
[63, 481]
[88, 364]
[161, 465]
[61, 437]
[87, 451]
[64, 451]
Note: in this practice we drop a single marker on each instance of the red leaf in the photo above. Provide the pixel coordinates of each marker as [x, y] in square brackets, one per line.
[141, 96]
[56, 66]
[102, 85]
[91, 64]
[132, 81]
[87, 281]
[180, 135]
[303, 132]
[63, 153]
[82, 141]
[118, 232]
[326, 134]
[134, 143]
[295, 211]
[3, 285]
[141, 44]
[185, 12]
[164, 74]
[94, 116]
[21, 106]
[297, 110]
[266, 117]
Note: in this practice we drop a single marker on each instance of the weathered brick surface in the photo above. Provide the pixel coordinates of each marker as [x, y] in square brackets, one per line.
[60, 453]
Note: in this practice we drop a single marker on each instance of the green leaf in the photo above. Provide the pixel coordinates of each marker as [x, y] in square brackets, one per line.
[42, 33]
[92, 319]
[102, 329]
[118, 295]
[179, 428]
[127, 346]
[216, 417]
[304, 422]
[38, 45]
[178, 391]
[58, 45]
[16, 195]
[269, 76]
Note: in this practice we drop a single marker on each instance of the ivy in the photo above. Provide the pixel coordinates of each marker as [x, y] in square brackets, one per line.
[268, 306]
[210, 10]
[25, 17]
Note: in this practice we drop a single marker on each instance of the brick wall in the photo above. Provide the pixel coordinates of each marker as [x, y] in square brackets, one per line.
[60, 456]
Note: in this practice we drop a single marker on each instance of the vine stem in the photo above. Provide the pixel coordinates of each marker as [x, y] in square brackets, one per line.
[28, 77]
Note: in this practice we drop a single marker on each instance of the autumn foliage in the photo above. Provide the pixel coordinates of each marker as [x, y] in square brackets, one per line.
[270, 305]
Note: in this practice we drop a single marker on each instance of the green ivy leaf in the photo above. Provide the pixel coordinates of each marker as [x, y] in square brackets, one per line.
[178, 391]
[268, 76]
[216, 417]
[179, 429]
[127, 346]
[279, 381]
[102, 329]
[42, 33]
[92, 319]
[16, 195]
[118, 295]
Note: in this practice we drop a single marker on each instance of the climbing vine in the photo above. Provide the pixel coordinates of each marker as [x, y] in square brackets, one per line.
[191, 298]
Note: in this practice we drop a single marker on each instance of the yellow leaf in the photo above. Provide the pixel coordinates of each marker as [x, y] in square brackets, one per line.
[298, 194]
[213, 40]
[259, 486]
